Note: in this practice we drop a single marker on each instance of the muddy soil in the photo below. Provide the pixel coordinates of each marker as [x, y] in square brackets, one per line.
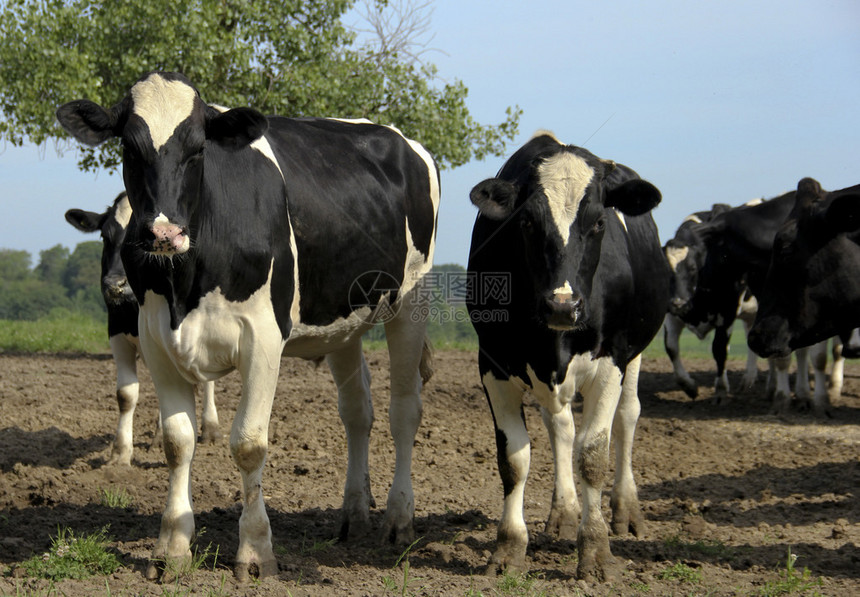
[727, 490]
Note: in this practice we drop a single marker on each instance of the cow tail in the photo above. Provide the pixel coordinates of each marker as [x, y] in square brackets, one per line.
[425, 367]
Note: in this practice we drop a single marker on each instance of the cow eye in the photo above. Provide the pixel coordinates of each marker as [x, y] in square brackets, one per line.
[599, 225]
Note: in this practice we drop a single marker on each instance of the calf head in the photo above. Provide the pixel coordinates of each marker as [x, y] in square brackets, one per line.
[112, 225]
[812, 289]
[557, 197]
[165, 129]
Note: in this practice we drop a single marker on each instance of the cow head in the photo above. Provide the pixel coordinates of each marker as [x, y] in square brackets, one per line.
[112, 225]
[811, 289]
[555, 197]
[165, 129]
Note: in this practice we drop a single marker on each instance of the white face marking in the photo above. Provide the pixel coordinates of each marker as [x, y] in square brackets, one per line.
[564, 178]
[123, 212]
[161, 219]
[563, 292]
[162, 105]
[693, 218]
[676, 255]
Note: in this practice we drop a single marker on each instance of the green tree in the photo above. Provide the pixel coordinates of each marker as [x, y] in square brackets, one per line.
[52, 264]
[294, 58]
[14, 265]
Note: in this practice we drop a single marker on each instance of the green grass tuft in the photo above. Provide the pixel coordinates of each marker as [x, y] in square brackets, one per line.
[74, 557]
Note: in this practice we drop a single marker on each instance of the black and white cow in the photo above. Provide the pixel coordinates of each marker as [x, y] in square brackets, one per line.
[587, 289]
[737, 247]
[812, 287]
[122, 310]
[253, 237]
[686, 255]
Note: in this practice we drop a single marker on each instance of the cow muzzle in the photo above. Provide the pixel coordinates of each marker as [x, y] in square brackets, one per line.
[564, 310]
[116, 290]
[769, 338]
[168, 238]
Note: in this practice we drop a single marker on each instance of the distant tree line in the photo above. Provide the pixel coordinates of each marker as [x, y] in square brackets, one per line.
[63, 279]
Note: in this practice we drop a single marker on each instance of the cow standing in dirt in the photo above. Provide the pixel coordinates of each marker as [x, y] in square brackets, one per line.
[588, 287]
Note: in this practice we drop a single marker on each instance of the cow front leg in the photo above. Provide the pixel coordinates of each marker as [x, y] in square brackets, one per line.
[249, 441]
[352, 377]
[801, 375]
[626, 512]
[720, 350]
[672, 328]
[823, 391]
[564, 513]
[127, 392]
[592, 463]
[751, 369]
[406, 348]
[172, 550]
[513, 453]
[210, 431]
[781, 389]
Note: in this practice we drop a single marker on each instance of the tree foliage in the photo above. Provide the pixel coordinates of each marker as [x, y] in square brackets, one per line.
[294, 58]
[60, 281]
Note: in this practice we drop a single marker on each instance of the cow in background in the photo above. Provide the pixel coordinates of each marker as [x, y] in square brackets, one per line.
[587, 289]
[811, 290]
[122, 311]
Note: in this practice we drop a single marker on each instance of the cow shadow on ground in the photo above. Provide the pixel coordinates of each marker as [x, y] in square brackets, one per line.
[661, 397]
[30, 448]
[823, 491]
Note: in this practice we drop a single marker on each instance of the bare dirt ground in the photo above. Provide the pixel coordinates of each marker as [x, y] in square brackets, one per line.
[726, 490]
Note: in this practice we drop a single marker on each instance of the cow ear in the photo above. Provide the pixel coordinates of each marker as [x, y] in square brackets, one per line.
[235, 128]
[843, 214]
[495, 198]
[87, 121]
[634, 197]
[85, 221]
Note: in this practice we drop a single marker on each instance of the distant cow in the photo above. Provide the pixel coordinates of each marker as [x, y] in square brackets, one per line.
[736, 244]
[122, 309]
[253, 237]
[812, 287]
[585, 290]
[700, 314]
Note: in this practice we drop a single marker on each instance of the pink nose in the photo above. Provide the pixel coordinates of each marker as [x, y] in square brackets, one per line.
[169, 239]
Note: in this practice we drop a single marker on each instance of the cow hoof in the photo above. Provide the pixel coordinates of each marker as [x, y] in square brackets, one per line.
[245, 571]
[210, 436]
[507, 561]
[119, 458]
[354, 527]
[598, 569]
[168, 568]
[562, 526]
[781, 404]
[720, 399]
[627, 518]
[399, 534]
[690, 388]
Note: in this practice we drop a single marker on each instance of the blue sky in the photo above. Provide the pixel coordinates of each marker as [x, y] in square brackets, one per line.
[711, 101]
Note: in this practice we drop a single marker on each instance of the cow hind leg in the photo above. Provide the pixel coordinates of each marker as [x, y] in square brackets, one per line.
[720, 350]
[210, 431]
[626, 512]
[127, 392]
[352, 377]
[564, 512]
[821, 398]
[781, 389]
[514, 455]
[406, 350]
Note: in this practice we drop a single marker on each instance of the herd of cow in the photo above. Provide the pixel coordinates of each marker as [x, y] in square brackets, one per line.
[239, 238]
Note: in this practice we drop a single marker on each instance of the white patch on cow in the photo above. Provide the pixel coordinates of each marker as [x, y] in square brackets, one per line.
[693, 218]
[545, 133]
[161, 219]
[354, 121]
[754, 202]
[122, 215]
[264, 147]
[676, 255]
[621, 219]
[214, 335]
[582, 373]
[564, 178]
[162, 105]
